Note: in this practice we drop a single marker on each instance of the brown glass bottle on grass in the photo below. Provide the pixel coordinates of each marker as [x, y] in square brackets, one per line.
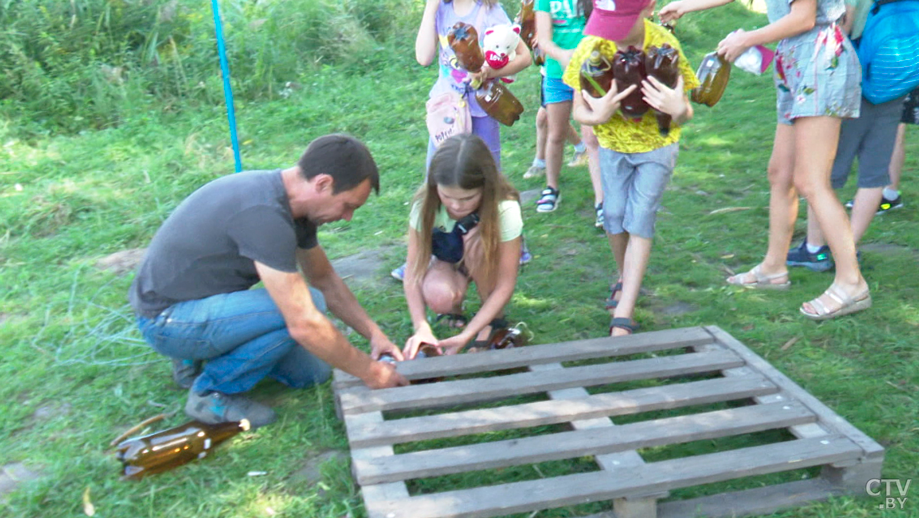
[714, 73]
[629, 69]
[663, 64]
[464, 40]
[596, 74]
[167, 449]
[507, 338]
[498, 102]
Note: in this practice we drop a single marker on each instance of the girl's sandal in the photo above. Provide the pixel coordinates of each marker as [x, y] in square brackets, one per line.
[847, 304]
[623, 323]
[614, 290]
[452, 320]
[761, 281]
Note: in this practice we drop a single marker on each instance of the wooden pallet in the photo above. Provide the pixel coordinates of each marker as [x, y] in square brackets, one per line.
[637, 488]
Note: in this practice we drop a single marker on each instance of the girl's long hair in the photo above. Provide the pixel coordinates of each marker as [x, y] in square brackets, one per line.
[463, 161]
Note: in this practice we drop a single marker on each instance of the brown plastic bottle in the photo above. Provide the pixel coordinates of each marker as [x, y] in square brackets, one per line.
[498, 102]
[714, 73]
[507, 338]
[464, 40]
[427, 350]
[167, 449]
[663, 64]
[596, 74]
[526, 19]
[629, 69]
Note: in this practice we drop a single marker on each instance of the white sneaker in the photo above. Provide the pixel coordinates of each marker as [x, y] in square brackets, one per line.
[579, 159]
[535, 171]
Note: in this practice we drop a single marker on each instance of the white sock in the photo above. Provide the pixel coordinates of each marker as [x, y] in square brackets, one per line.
[540, 163]
[890, 194]
[580, 147]
[813, 249]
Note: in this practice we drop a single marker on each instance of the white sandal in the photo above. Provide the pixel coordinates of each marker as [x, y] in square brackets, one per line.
[847, 304]
[761, 282]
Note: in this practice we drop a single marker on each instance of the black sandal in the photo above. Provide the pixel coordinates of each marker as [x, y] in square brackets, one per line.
[496, 324]
[611, 302]
[623, 323]
[452, 320]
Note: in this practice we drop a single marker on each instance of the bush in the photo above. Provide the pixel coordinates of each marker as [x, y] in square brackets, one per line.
[86, 63]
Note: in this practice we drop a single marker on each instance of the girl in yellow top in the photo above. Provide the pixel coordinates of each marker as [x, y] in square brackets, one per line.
[636, 161]
[465, 224]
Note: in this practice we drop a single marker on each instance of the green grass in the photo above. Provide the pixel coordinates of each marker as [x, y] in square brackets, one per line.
[78, 373]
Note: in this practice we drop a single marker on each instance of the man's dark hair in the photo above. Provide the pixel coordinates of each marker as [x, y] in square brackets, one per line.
[344, 158]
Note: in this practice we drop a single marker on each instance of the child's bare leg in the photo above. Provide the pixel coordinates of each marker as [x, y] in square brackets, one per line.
[633, 271]
[897, 158]
[559, 130]
[444, 288]
[815, 146]
[593, 162]
[783, 208]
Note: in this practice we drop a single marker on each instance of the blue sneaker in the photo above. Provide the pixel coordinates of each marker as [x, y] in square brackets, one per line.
[525, 255]
[399, 273]
[820, 261]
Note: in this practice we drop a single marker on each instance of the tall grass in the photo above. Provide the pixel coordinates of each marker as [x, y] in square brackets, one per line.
[78, 64]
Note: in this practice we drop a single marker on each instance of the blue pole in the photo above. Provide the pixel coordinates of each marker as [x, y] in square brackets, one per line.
[227, 89]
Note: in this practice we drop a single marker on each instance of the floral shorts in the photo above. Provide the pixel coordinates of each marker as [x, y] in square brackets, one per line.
[817, 74]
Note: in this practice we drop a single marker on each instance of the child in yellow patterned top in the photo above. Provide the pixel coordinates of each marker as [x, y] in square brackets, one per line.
[636, 161]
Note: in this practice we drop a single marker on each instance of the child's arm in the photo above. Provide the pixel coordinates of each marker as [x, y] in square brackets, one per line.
[415, 300]
[520, 62]
[802, 18]
[675, 10]
[426, 41]
[672, 101]
[592, 111]
[506, 275]
[544, 35]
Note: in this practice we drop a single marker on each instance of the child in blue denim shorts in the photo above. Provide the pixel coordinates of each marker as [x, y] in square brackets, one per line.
[636, 161]
[817, 77]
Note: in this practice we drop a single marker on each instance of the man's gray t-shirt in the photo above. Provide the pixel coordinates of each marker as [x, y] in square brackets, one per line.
[209, 244]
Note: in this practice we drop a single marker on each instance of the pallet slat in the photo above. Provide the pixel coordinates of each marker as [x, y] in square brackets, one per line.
[544, 353]
[566, 445]
[484, 389]
[557, 411]
[517, 497]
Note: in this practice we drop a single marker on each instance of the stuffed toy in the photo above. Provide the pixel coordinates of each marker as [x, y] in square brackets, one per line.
[500, 46]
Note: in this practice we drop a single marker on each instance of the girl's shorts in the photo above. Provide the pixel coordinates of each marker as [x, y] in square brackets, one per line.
[817, 74]
[555, 91]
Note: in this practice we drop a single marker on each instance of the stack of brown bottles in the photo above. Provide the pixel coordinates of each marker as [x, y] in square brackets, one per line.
[526, 19]
[629, 69]
[714, 73]
[167, 449]
[663, 64]
[497, 101]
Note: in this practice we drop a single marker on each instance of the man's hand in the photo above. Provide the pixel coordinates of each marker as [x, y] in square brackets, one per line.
[380, 344]
[383, 375]
[662, 98]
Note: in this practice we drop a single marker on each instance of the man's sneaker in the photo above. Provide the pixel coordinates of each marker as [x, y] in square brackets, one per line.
[820, 261]
[889, 205]
[548, 200]
[399, 273]
[599, 209]
[535, 171]
[184, 372]
[223, 408]
[579, 159]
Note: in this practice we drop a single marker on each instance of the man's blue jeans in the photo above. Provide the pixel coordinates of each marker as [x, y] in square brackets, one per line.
[241, 336]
